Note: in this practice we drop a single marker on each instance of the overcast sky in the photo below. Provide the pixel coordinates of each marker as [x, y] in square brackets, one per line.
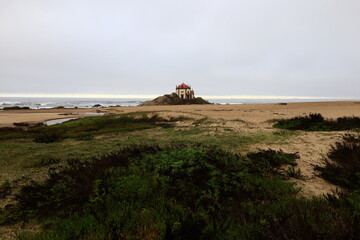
[143, 47]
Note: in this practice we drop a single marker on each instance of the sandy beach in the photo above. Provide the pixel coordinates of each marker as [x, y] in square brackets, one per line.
[311, 146]
[257, 113]
[252, 113]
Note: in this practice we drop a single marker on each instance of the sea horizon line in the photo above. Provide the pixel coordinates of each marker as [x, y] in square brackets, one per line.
[137, 96]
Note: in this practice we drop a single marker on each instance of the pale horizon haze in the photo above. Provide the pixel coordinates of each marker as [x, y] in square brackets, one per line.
[228, 48]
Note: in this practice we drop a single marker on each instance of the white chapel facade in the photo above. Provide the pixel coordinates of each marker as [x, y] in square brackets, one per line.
[184, 91]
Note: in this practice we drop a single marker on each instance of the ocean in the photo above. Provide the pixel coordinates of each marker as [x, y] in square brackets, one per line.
[47, 103]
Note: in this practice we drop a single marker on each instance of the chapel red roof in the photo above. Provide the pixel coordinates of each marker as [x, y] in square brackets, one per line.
[183, 86]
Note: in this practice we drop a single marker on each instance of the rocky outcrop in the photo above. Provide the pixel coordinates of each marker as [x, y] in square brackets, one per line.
[16, 108]
[173, 99]
[59, 107]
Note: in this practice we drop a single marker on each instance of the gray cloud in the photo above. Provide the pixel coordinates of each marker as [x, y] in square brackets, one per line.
[257, 47]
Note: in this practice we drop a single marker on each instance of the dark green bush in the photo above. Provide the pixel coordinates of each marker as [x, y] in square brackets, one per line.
[266, 161]
[342, 166]
[45, 161]
[69, 187]
[48, 136]
[294, 173]
[316, 122]
[5, 189]
[12, 133]
[183, 192]
[306, 219]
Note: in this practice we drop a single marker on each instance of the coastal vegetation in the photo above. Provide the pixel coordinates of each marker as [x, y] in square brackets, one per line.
[86, 128]
[176, 192]
[144, 176]
[316, 122]
[342, 164]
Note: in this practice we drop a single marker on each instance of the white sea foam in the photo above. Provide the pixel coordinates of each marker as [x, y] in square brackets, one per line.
[9, 103]
[46, 103]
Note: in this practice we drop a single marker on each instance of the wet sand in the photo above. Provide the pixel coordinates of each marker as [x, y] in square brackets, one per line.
[8, 117]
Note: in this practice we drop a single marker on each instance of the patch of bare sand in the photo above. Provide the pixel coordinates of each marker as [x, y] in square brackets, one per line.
[254, 113]
[312, 148]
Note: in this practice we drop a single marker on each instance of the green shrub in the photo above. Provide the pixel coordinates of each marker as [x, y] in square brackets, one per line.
[316, 122]
[48, 136]
[69, 187]
[305, 219]
[266, 161]
[46, 161]
[5, 189]
[294, 173]
[149, 192]
[11, 133]
[342, 166]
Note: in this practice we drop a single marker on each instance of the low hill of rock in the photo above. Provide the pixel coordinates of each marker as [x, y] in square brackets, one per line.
[173, 99]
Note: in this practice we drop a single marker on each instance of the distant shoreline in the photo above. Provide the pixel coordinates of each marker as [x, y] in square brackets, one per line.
[247, 112]
[49, 103]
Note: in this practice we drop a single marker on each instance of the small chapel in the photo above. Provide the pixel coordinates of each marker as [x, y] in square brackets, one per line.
[184, 91]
